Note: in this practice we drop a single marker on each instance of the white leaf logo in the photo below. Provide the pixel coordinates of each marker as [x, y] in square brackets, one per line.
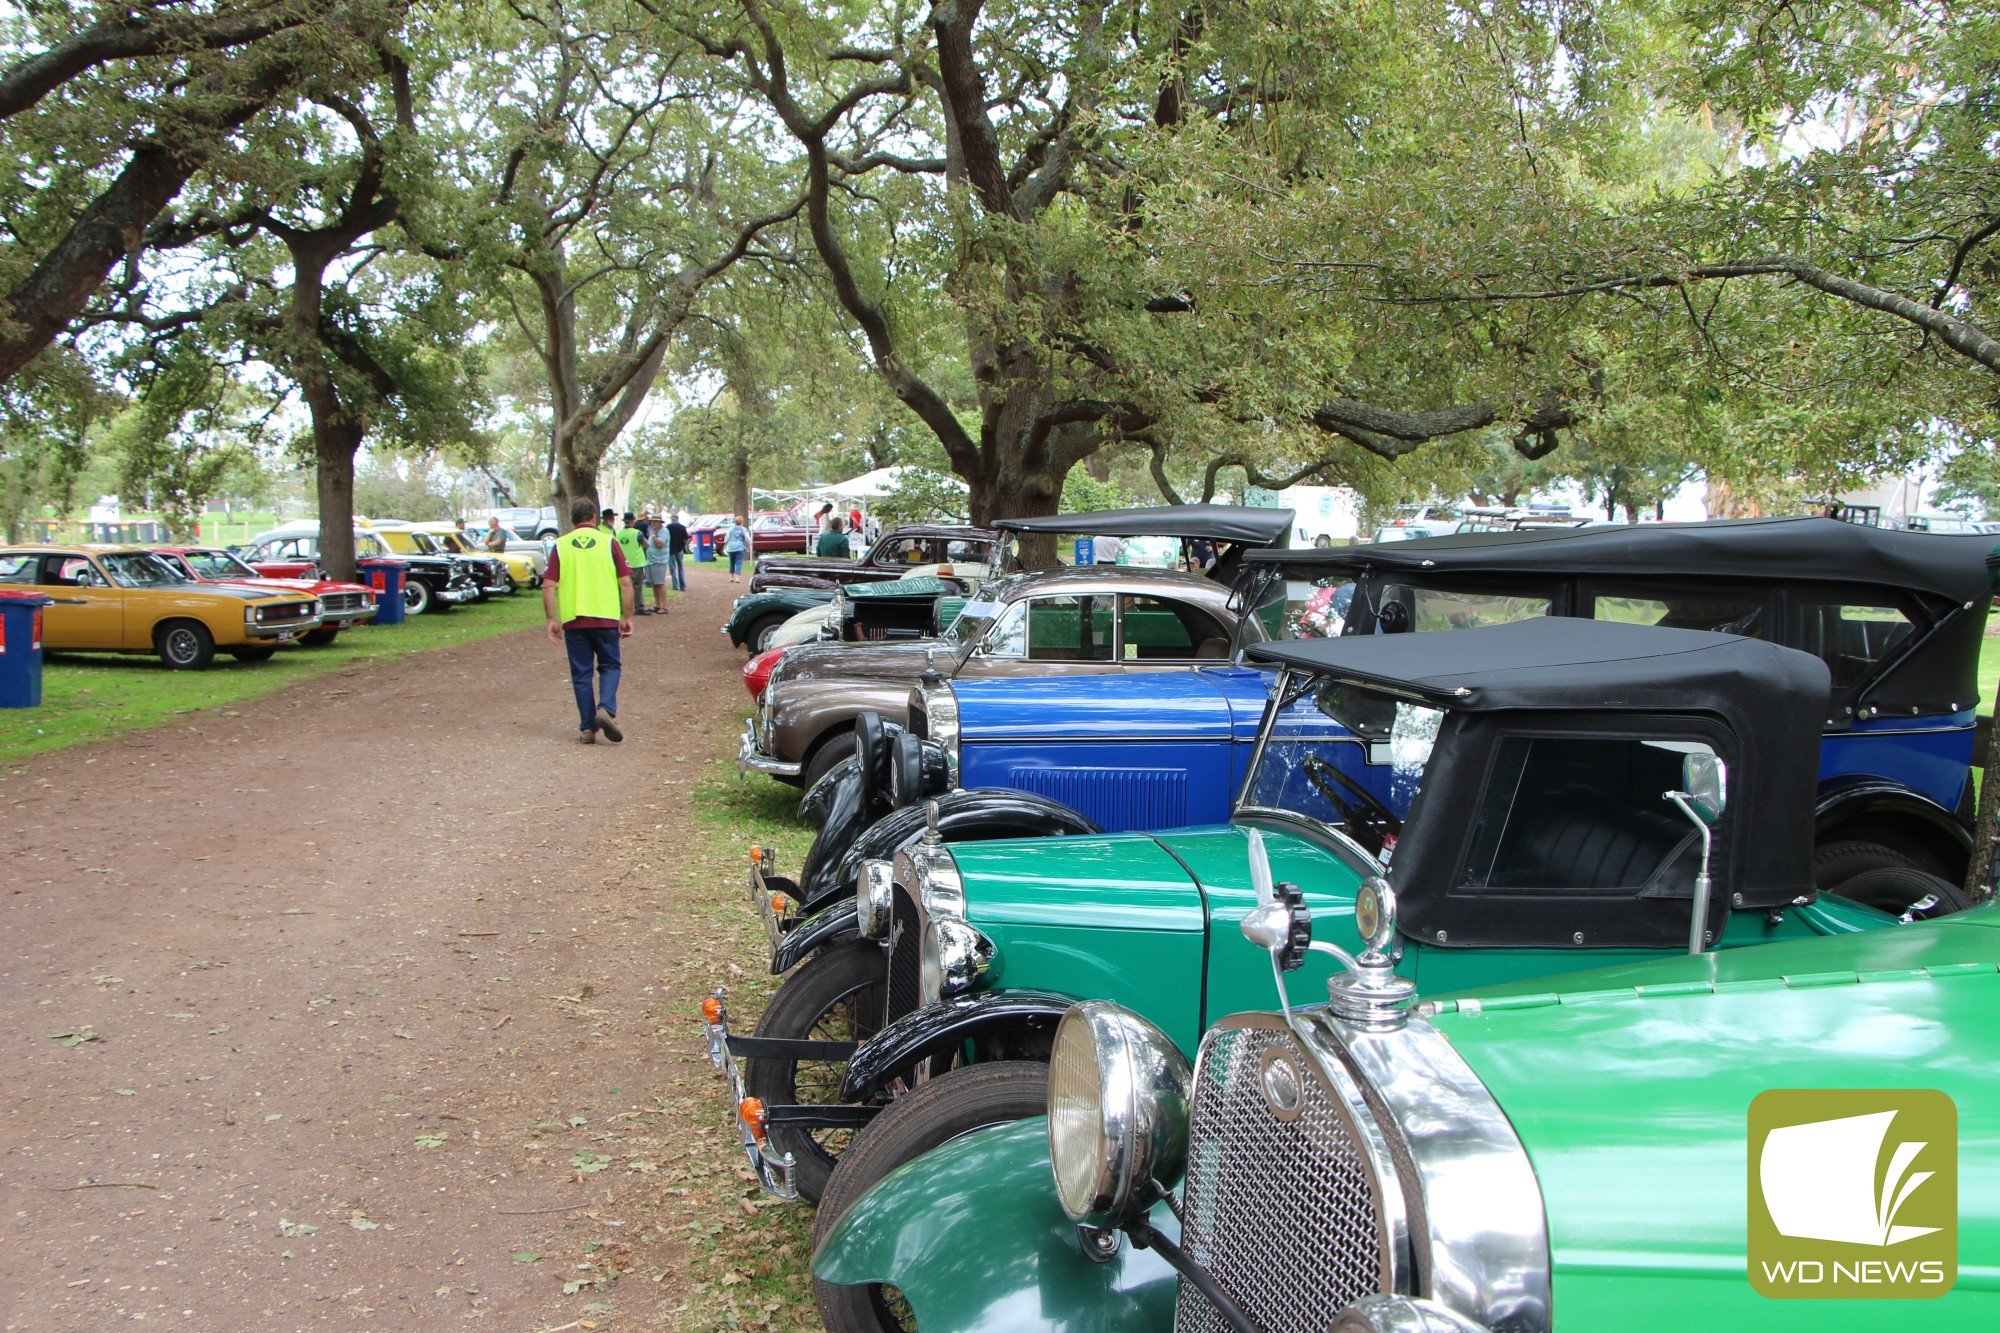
[1819, 1179]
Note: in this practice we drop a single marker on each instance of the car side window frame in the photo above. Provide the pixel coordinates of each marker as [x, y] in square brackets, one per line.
[1794, 601]
[1180, 609]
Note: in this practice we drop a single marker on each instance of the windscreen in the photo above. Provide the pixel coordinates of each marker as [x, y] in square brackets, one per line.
[1345, 757]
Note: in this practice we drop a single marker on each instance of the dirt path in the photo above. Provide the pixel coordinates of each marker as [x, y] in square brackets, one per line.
[344, 1009]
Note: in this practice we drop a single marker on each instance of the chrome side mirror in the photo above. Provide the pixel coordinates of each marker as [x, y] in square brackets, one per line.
[1706, 780]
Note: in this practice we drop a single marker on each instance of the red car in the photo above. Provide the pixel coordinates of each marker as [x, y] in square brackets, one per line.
[342, 605]
[776, 530]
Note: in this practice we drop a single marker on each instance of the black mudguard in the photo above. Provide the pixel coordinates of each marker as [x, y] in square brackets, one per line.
[830, 925]
[1879, 810]
[978, 815]
[944, 1026]
[818, 799]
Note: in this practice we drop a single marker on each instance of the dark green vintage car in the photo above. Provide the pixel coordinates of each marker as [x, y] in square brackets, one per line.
[1650, 1146]
[1541, 839]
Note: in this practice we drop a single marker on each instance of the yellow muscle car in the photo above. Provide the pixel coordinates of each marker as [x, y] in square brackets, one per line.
[124, 599]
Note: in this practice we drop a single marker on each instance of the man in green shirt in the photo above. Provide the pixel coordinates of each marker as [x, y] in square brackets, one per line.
[632, 544]
[587, 596]
[833, 543]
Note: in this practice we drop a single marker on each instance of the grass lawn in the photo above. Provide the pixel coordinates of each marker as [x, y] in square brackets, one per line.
[87, 697]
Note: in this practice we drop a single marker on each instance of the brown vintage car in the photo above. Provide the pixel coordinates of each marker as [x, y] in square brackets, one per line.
[893, 555]
[1049, 622]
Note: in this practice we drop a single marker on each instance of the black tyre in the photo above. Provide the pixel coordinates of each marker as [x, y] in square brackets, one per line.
[948, 1107]
[757, 638]
[257, 652]
[837, 994]
[319, 638]
[1904, 891]
[831, 751]
[1837, 862]
[418, 597]
[184, 645]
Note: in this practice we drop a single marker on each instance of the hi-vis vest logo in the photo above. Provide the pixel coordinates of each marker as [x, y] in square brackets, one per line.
[1853, 1194]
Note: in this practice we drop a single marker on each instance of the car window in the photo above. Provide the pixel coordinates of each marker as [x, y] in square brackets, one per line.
[132, 569]
[1582, 814]
[1309, 609]
[1851, 639]
[1161, 628]
[1070, 628]
[71, 571]
[1693, 609]
[900, 551]
[1009, 635]
[1402, 607]
[364, 544]
[18, 568]
[218, 565]
[966, 549]
[1336, 750]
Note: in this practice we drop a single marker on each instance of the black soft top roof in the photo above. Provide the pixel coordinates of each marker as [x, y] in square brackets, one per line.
[1222, 523]
[1559, 662]
[1806, 549]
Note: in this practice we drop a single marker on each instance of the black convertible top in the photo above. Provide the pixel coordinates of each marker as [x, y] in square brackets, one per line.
[1776, 695]
[1815, 549]
[1222, 523]
[1759, 704]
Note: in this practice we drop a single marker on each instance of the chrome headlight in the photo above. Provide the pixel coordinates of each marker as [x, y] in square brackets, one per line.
[1118, 1113]
[956, 959]
[934, 717]
[874, 898]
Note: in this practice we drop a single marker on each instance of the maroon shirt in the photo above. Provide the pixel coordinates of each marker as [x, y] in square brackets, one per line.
[553, 574]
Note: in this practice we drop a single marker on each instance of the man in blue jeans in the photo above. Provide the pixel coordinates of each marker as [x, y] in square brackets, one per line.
[587, 597]
[677, 545]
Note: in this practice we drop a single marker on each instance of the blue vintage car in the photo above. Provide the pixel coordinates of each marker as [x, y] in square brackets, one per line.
[1898, 617]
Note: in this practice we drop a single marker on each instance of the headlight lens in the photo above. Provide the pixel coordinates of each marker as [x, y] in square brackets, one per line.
[873, 894]
[1118, 1113]
[955, 959]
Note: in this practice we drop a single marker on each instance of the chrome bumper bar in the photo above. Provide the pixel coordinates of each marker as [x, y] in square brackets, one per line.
[749, 759]
[778, 1175]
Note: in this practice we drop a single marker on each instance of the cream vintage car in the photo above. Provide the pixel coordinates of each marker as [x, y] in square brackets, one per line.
[124, 599]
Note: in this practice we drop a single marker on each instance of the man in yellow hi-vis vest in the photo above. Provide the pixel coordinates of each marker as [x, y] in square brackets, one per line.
[587, 595]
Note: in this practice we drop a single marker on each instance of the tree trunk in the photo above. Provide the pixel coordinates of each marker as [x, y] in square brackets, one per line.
[335, 444]
[739, 483]
[576, 478]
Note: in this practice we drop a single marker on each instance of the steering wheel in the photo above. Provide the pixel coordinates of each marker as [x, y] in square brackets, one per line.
[1362, 816]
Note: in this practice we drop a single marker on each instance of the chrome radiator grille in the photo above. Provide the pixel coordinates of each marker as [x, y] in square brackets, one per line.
[905, 954]
[1286, 1213]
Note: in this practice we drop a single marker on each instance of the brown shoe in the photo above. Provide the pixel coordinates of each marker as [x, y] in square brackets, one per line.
[609, 726]
[587, 737]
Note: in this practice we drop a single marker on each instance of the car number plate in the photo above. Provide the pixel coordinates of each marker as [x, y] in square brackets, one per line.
[285, 637]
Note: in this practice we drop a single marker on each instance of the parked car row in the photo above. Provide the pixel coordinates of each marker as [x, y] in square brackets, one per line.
[184, 604]
[181, 604]
[1635, 782]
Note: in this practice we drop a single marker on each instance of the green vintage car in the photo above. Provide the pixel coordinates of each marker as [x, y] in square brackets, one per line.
[1540, 840]
[1650, 1146]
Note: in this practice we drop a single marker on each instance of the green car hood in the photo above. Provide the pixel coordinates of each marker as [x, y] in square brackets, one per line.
[1630, 1088]
[1119, 881]
[1148, 920]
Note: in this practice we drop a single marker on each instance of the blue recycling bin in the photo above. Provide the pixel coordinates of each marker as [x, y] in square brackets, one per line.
[1086, 551]
[386, 578]
[704, 546]
[21, 647]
